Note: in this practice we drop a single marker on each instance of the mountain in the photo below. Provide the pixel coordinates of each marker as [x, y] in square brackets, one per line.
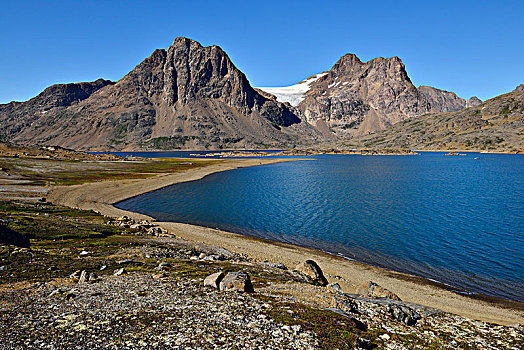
[473, 102]
[496, 124]
[441, 100]
[187, 96]
[355, 97]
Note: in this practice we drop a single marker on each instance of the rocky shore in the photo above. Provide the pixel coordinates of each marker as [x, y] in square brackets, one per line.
[122, 281]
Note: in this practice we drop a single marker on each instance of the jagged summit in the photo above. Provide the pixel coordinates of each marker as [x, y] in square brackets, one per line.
[186, 96]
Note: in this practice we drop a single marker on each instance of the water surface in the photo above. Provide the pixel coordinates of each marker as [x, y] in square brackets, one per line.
[457, 220]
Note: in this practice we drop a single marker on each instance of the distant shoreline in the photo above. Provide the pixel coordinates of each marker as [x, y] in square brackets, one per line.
[100, 196]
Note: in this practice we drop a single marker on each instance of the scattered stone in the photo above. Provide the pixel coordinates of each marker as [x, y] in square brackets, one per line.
[373, 290]
[385, 337]
[103, 268]
[313, 271]
[3, 268]
[214, 279]
[404, 314]
[202, 256]
[335, 288]
[84, 253]
[237, 281]
[119, 272]
[362, 343]
[75, 275]
[87, 276]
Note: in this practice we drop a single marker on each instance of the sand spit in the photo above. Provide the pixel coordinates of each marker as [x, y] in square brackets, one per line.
[100, 196]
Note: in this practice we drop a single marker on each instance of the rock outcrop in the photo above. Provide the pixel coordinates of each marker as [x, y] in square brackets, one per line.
[519, 88]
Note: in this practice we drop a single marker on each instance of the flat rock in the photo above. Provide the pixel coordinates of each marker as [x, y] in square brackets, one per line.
[236, 281]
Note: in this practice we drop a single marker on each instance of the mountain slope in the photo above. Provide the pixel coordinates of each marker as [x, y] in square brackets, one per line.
[441, 100]
[496, 124]
[187, 96]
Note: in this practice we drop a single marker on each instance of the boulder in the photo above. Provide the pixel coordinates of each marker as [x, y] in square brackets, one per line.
[87, 276]
[237, 281]
[8, 236]
[404, 314]
[335, 288]
[214, 279]
[375, 291]
[311, 269]
[119, 272]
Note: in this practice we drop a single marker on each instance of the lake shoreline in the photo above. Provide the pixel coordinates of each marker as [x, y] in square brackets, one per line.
[101, 196]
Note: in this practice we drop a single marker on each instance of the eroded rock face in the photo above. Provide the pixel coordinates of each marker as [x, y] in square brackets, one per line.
[237, 281]
[313, 271]
[357, 97]
[187, 96]
[441, 100]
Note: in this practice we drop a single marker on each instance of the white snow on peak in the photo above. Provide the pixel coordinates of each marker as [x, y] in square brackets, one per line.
[293, 94]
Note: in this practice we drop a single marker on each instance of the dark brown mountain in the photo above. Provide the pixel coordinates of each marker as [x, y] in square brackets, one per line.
[495, 125]
[187, 96]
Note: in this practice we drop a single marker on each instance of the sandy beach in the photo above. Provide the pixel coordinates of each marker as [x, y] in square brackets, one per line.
[100, 196]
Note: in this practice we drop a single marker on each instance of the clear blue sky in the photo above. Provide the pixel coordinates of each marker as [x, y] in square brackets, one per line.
[469, 47]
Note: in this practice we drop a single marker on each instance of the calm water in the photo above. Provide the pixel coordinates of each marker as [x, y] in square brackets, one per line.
[456, 220]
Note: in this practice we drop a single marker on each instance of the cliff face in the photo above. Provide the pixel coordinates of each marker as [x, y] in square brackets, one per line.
[356, 98]
[441, 100]
[187, 96]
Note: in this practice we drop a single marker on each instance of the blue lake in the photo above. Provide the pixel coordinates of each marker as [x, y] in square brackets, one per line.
[457, 220]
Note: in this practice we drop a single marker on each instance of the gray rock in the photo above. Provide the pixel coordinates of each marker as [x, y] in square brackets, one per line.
[236, 281]
[335, 288]
[214, 279]
[3, 268]
[311, 269]
[404, 314]
[373, 290]
[87, 276]
[76, 274]
[119, 272]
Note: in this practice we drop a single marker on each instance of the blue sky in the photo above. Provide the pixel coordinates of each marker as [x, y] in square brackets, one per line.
[469, 47]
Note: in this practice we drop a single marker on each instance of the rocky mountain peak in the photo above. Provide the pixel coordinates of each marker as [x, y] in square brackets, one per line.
[519, 88]
[473, 102]
[442, 100]
[346, 62]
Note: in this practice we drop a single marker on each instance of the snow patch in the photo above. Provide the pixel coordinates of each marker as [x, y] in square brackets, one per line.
[293, 94]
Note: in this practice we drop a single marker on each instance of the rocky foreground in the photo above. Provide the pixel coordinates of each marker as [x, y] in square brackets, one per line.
[94, 282]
